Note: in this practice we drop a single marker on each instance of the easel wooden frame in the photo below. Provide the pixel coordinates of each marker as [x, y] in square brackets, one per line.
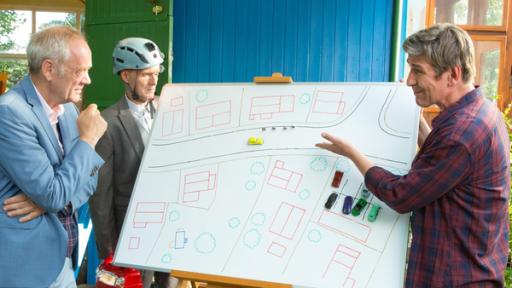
[196, 280]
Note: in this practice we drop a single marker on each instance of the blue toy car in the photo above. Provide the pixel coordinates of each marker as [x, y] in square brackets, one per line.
[347, 205]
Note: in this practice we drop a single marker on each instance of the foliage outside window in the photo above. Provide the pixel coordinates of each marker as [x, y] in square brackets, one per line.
[488, 62]
[508, 271]
[470, 12]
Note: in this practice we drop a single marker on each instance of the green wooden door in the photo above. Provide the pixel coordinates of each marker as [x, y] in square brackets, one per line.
[107, 22]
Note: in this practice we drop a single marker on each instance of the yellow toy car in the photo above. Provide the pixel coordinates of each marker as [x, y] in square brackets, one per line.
[255, 141]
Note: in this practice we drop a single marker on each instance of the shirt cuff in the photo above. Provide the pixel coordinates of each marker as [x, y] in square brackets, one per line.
[373, 177]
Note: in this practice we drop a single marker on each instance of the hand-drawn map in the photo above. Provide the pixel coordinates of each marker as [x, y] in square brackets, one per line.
[205, 201]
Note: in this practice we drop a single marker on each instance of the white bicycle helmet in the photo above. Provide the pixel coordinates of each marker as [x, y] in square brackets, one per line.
[136, 53]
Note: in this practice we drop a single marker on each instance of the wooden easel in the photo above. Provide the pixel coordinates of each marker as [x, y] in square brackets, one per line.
[199, 280]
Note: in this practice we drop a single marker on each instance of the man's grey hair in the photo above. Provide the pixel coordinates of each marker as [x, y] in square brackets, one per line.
[51, 43]
[444, 46]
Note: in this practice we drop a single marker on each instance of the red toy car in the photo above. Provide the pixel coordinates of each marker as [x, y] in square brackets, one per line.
[110, 276]
[337, 179]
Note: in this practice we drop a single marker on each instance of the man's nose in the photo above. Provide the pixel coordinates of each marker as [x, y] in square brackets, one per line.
[411, 80]
[86, 79]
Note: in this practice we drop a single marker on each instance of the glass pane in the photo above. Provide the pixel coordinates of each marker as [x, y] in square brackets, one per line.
[47, 19]
[470, 12]
[16, 30]
[487, 66]
[16, 70]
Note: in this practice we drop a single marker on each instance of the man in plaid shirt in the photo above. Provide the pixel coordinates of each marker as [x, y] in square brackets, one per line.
[459, 182]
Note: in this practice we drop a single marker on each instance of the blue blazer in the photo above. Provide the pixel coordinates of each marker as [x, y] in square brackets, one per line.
[32, 254]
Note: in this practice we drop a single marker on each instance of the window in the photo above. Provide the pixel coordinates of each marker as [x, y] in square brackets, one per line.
[489, 56]
[470, 12]
[15, 41]
[17, 26]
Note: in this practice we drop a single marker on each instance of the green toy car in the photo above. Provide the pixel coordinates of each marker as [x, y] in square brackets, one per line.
[374, 212]
[358, 208]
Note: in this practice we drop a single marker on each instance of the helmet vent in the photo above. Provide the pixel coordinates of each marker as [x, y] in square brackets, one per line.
[141, 57]
[150, 46]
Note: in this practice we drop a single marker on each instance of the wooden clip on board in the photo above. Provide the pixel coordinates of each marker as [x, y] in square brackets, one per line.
[276, 78]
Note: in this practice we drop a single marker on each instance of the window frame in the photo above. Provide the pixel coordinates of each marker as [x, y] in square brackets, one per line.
[430, 18]
[501, 39]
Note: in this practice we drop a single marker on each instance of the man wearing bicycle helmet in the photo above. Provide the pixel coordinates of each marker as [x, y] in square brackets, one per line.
[138, 62]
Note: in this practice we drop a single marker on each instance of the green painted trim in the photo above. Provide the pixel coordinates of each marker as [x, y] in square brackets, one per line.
[395, 39]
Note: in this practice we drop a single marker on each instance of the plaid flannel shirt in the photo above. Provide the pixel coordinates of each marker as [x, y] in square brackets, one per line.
[68, 221]
[457, 190]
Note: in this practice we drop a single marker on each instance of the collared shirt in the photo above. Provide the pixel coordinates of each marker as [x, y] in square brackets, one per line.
[457, 189]
[52, 114]
[142, 117]
[66, 215]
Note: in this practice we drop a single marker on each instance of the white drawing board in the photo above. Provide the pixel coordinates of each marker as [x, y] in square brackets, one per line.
[205, 201]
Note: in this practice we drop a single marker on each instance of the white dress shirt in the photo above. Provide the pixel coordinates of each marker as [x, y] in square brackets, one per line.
[142, 117]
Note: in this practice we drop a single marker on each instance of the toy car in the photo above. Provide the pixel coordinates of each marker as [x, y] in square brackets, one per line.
[331, 200]
[365, 193]
[347, 205]
[374, 212]
[337, 179]
[255, 141]
[361, 203]
[110, 276]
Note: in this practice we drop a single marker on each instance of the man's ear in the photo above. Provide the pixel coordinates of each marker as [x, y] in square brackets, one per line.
[456, 74]
[47, 69]
[124, 76]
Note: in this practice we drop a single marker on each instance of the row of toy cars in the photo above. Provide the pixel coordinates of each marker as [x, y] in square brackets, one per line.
[348, 201]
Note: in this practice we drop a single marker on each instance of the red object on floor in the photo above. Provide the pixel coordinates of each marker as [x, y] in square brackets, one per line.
[111, 276]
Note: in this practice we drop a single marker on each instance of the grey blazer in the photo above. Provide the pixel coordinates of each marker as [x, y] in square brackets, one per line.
[121, 147]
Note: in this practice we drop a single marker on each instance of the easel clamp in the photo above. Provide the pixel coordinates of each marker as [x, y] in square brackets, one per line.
[276, 78]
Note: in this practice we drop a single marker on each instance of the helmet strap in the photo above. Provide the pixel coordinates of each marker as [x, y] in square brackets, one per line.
[133, 91]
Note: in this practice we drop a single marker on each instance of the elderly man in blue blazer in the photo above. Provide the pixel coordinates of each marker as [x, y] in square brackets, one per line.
[48, 163]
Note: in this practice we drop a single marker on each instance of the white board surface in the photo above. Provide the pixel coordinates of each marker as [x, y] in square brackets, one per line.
[205, 201]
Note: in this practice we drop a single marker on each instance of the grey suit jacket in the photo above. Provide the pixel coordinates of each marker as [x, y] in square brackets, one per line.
[121, 147]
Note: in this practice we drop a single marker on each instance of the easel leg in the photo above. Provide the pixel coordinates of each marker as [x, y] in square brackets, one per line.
[183, 283]
[192, 284]
[221, 286]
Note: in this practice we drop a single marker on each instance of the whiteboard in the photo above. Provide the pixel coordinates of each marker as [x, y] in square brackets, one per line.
[205, 201]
